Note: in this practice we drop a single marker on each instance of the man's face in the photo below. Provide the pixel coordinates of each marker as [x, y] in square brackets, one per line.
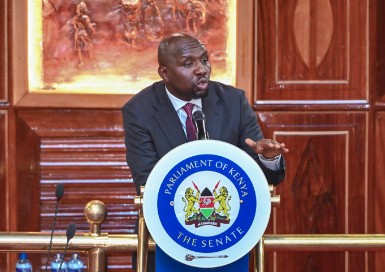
[187, 71]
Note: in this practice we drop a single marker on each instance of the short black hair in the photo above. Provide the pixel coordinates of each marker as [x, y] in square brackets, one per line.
[166, 42]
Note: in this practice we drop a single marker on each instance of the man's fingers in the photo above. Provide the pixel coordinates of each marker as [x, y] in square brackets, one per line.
[250, 143]
[266, 144]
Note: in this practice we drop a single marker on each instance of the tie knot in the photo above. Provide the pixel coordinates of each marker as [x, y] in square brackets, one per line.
[188, 109]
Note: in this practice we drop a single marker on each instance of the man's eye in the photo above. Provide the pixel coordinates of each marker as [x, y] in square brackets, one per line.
[188, 64]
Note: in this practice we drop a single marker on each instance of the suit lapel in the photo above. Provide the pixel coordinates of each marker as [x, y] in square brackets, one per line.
[212, 108]
[167, 119]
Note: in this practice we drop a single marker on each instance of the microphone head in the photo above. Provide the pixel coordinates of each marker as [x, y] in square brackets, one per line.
[198, 116]
[199, 120]
[71, 229]
[59, 191]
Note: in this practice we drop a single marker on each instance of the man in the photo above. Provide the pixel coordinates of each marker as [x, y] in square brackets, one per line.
[155, 119]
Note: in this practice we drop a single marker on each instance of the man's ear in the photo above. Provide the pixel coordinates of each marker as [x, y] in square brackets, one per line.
[162, 71]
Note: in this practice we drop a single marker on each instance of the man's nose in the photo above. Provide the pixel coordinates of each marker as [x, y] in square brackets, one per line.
[200, 68]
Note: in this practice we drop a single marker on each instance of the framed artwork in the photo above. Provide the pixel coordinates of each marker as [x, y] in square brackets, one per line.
[110, 46]
[46, 69]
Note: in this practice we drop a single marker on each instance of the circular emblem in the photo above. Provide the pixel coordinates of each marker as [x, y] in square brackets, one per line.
[206, 203]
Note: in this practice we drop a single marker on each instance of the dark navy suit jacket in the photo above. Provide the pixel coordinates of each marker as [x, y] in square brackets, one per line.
[152, 127]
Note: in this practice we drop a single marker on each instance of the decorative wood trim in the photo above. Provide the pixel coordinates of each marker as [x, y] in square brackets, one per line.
[291, 63]
[245, 47]
[3, 53]
[3, 171]
[378, 188]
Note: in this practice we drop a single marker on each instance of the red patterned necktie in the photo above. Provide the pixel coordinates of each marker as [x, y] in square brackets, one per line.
[190, 128]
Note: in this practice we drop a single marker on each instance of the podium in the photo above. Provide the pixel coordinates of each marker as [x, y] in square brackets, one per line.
[206, 205]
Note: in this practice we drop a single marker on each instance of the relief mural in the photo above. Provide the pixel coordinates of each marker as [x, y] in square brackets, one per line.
[95, 40]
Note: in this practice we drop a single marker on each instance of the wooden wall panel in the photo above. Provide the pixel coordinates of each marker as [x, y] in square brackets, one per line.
[4, 130]
[3, 170]
[3, 53]
[325, 190]
[3, 178]
[379, 135]
[379, 188]
[90, 168]
[312, 50]
[379, 55]
[84, 150]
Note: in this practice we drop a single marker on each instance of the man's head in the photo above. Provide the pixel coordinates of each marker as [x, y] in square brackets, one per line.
[184, 66]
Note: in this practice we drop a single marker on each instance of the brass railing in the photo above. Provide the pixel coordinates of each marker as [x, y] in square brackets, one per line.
[317, 242]
[96, 244]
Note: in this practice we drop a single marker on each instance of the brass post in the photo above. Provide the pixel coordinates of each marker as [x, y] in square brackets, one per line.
[96, 212]
[97, 260]
[275, 199]
[261, 256]
[143, 236]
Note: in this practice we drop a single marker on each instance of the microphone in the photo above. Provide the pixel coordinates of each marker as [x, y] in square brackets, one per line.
[59, 192]
[199, 120]
[71, 229]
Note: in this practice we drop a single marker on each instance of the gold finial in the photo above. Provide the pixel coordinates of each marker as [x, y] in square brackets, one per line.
[95, 212]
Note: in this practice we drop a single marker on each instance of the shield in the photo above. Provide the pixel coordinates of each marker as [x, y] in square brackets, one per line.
[206, 203]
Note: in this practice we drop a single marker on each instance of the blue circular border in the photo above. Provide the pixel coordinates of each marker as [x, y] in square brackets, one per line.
[170, 222]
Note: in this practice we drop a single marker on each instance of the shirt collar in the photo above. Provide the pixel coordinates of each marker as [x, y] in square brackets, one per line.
[178, 103]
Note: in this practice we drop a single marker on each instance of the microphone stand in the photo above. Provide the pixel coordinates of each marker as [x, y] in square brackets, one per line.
[71, 229]
[59, 192]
